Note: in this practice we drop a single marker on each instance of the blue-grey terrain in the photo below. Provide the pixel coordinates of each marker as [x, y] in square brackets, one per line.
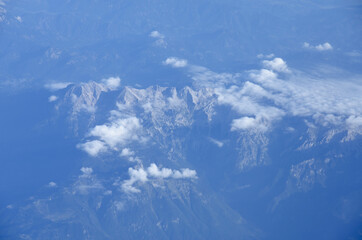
[165, 119]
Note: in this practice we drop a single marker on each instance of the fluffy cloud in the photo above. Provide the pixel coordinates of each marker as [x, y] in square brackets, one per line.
[320, 47]
[94, 147]
[57, 85]
[136, 175]
[263, 76]
[112, 83]
[52, 98]
[276, 64]
[175, 62]
[247, 123]
[118, 132]
[184, 173]
[153, 171]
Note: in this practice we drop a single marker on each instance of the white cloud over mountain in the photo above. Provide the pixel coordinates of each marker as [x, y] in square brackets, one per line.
[112, 83]
[258, 98]
[264, 96]
[112, 135]
[141, 175]
[118, 132]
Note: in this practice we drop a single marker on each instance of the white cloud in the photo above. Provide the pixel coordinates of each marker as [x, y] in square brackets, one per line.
[306, 45]
[263, 76]
[126, 152]
[118, 132]
[52, 184]
[324, 47]
[156, 34]
[52, 98]
[247, 123]
[354, 122]
[93, 148]
[112, 83]
[276, 64]
[57, 85]
[320, 47]
[247, 100]
[184, 173]
[175, 62]
[136, 175]
[153, 171]
[330, 99]
[19, 19]
[160, 38]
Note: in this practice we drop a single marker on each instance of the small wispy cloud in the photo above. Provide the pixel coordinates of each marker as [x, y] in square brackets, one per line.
[160, 38]
[52, 184]
[320, 47]
[175, 62]
[265, 56]
[87, 182]
[52, 98]
[86, 171]
[156, 34]
[19, 19]
[216, 142]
